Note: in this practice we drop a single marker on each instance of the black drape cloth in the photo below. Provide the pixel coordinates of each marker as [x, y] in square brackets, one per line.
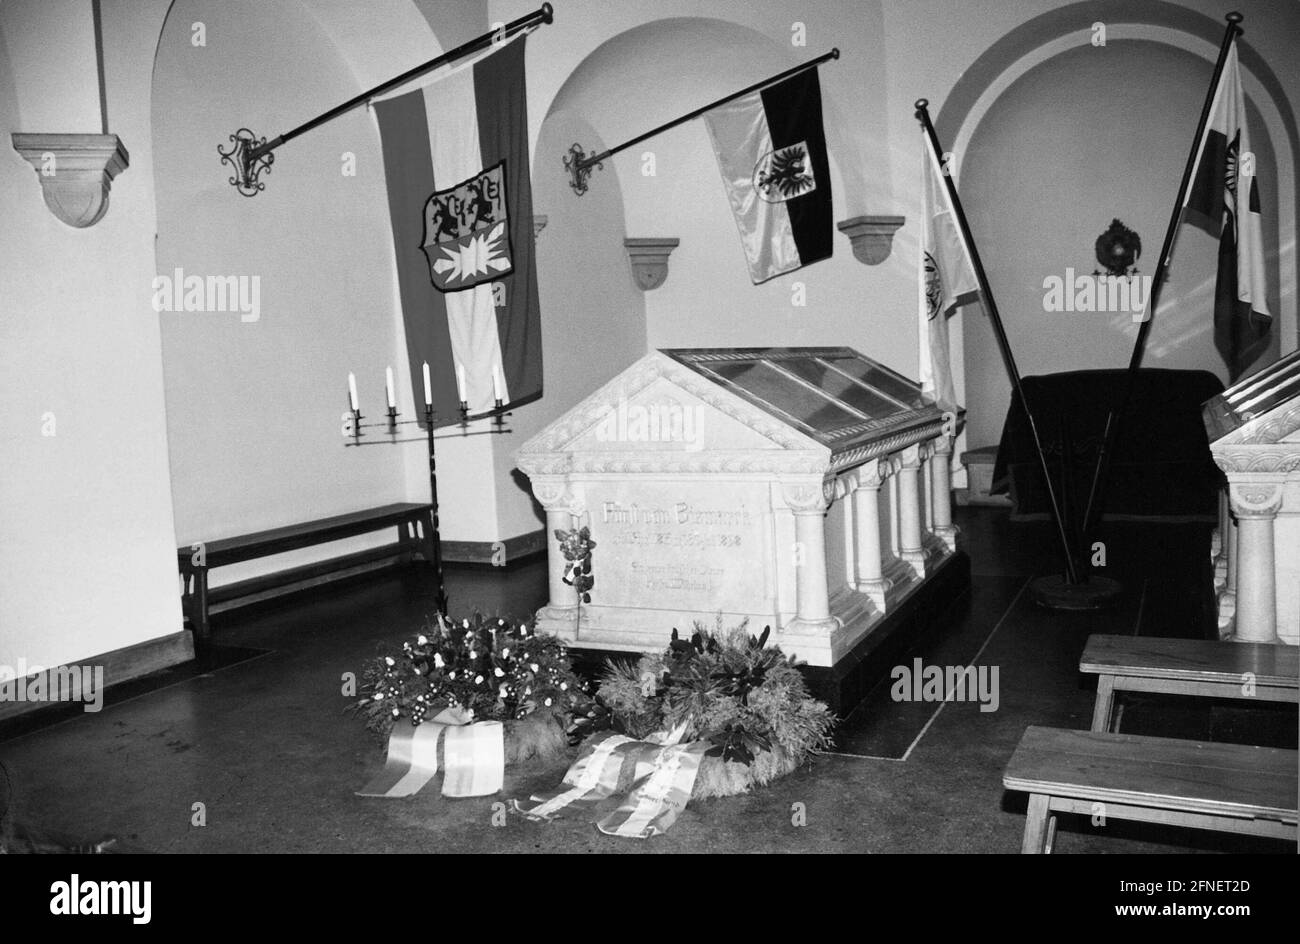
[1161, 466]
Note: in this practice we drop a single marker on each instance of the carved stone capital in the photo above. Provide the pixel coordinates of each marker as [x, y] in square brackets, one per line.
[1244, 458]
[836, 487]
[804, 497]
[909, 458]
[1254, 498]
[558, 495]
[872, 237]
[76, 172]
[871, 474]
[942, 445]
[649, 258]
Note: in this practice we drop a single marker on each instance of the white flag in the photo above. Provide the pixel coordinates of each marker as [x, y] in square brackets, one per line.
[945, 280]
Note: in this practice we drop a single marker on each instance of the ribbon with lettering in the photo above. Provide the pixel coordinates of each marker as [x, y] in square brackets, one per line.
[473, 757]
[661, 774]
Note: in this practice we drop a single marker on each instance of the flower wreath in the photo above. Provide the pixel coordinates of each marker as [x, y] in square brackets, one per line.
[746, 699]
[494, 669]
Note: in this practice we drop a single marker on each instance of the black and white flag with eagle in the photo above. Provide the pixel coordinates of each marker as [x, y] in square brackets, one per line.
[1224, 201]
[771, 149]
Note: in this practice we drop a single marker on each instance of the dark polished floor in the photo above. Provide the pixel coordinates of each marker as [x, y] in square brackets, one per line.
[264, 743]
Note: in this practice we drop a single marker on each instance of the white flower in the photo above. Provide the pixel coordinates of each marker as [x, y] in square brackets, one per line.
[451, 675]
[564, 686]
[473, 654]
[505, 653]
[396, 712]
[389, 660]
[422, 640]
[528, 691]
[379, 696]
[533, 666]
[504, 690]
[464, 624]
[478, 680]
[501, 622]
[547, 702]
[499, 672]
[437, 660]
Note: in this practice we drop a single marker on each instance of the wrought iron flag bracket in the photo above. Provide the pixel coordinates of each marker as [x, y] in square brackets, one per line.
[579, 164]
[250, 156]
[247, 167]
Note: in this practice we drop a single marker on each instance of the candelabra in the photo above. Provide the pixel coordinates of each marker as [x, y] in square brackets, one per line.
[498, 426]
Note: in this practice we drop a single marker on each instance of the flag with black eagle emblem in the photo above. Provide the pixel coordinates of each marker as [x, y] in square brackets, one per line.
[771, 149]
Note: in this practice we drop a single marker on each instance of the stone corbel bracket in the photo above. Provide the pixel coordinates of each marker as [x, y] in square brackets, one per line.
[872, 236]
[75, 171]
[649, 258]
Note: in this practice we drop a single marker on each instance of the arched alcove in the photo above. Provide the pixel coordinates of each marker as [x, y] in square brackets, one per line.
[254, 404]
[1052, 162]
[1155, 120]
[654, 72]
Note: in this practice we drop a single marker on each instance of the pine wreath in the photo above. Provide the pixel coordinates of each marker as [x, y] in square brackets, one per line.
[726, 687]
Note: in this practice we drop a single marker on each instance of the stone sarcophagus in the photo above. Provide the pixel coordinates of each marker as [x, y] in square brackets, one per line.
[804, 488]
[1254, 433]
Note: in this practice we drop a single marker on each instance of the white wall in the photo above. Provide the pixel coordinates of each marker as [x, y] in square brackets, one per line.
[87, 562]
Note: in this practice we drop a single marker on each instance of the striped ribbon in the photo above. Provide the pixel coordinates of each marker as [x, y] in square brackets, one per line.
[655, 801]
[663, 775]
[473, 755]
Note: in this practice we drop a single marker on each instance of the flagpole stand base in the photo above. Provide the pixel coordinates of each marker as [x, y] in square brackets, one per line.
[1093, 593]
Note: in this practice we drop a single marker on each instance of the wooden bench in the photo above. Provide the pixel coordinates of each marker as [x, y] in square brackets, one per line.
[1225, 787]
[414, 525]
[1188, 667]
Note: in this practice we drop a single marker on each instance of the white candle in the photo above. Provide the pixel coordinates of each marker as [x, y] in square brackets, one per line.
[460, 382]
[498, 393]
[388, 383]
[352, 391]
[428, 386]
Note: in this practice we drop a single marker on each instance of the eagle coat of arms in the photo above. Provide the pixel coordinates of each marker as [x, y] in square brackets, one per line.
[784, 173]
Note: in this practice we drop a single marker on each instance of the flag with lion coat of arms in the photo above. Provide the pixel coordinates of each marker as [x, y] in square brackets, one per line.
[460, 201]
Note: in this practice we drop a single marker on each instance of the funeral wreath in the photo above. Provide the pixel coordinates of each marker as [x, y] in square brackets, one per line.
[746, 699]
[491, 668]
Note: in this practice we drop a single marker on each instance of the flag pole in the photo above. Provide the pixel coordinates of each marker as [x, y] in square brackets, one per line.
[580, 164]
[923, 115]
[251, 156]
[1096, 492]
